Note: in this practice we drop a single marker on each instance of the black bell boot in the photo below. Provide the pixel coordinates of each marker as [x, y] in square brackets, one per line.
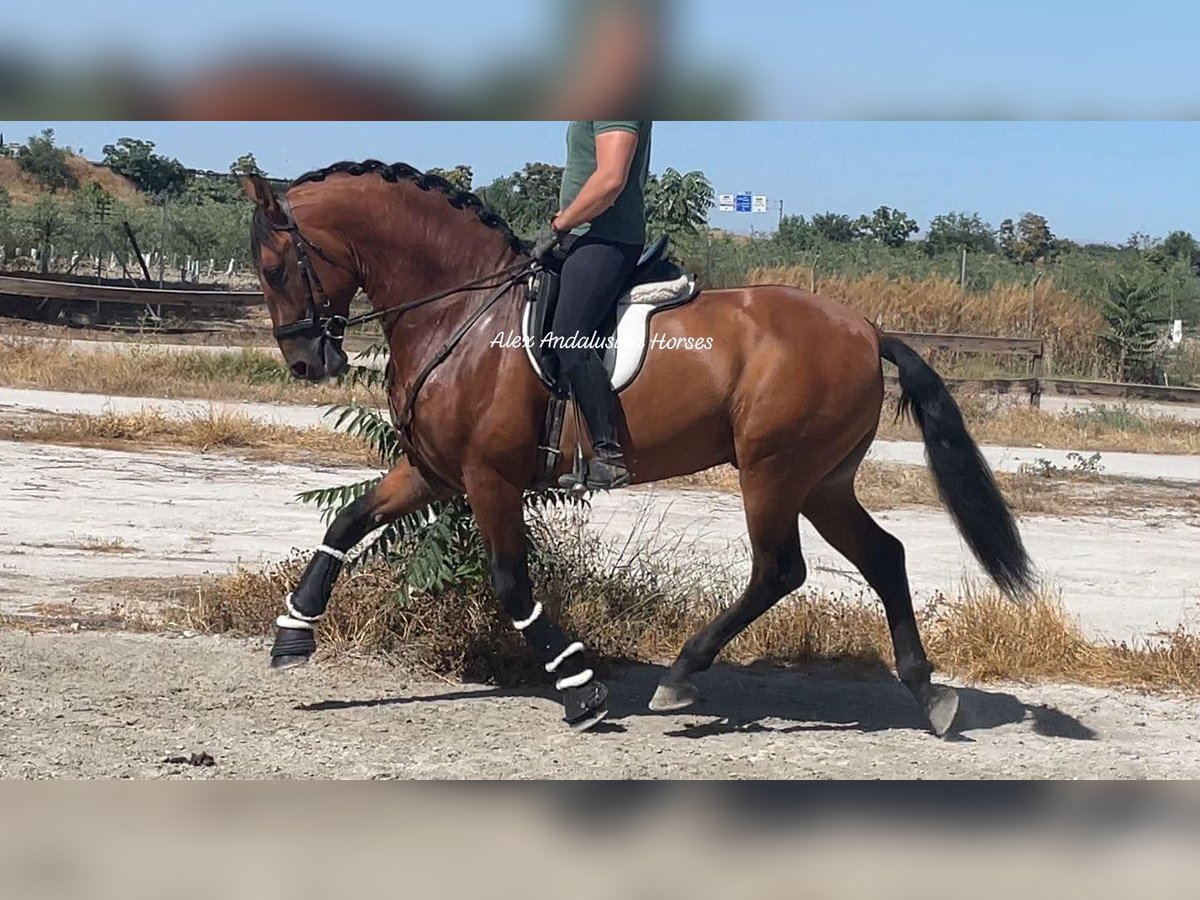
[594, 395]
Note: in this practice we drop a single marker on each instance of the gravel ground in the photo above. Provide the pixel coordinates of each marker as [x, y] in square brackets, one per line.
[95, 704]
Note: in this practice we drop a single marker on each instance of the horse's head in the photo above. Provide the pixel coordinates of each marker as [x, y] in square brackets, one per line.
[308, 278]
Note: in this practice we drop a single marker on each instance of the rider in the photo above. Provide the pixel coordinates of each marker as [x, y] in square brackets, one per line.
[600, 227]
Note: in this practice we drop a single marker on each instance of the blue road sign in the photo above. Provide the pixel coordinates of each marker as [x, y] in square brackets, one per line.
[742, 203]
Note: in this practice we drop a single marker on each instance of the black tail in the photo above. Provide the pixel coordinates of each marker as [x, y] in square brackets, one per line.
[963, 478]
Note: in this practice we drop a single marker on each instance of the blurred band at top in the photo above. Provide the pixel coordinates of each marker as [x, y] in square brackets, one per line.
[573, 59]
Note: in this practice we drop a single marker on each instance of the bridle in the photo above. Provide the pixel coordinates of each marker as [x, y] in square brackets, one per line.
[319, 322]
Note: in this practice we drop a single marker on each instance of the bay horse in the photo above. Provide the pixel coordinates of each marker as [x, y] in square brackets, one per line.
[790, 393]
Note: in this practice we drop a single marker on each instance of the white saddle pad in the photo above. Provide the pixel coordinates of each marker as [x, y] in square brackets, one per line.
[623, 359]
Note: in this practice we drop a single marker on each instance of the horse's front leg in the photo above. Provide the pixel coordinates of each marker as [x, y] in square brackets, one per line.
[401, 491]
[499, 514]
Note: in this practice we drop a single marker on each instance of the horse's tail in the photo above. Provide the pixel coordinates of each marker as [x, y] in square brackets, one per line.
[963, 478]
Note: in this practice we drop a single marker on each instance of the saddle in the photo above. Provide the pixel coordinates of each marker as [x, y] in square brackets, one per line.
[656, 284]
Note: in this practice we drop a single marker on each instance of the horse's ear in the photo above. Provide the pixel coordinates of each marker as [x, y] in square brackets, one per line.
[263, 195]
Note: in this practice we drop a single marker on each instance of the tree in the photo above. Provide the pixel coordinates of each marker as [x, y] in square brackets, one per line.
[246, 164]
[796, 233]
[460, 176]
[890, 227]
[1177, 249]
[149, 171]
[47, 221]
[1179, 245]
[840, 229]
[1133, 313]
[955, 231]
[46, 162]
[526, 199]
[1030, 241]
[678, 204]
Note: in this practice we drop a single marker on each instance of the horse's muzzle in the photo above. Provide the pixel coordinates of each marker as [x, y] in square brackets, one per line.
[316, 359]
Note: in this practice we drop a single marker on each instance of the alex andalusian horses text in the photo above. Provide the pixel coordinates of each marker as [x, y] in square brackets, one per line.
[789, 392]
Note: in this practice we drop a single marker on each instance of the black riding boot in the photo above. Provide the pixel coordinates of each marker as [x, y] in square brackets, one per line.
[594, 395]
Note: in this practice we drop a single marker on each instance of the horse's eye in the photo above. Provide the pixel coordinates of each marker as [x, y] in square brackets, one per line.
[276, 277]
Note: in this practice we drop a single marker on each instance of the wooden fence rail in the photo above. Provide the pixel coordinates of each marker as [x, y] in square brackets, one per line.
[44, 289]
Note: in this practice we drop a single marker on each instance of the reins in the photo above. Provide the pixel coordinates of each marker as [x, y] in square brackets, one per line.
[322, 324]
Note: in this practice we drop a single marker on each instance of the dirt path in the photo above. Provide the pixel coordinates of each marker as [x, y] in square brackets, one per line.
[117, 705]
[21, 401]
[71, 519]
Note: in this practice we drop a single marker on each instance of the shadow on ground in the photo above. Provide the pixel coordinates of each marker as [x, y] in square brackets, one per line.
[736, 699]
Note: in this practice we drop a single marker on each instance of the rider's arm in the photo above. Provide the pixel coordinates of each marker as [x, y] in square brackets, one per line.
[614, 154]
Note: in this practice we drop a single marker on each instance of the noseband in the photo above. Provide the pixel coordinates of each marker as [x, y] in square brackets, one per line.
[319, 322]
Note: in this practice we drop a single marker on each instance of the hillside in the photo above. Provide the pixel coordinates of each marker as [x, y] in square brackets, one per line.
[25, 189]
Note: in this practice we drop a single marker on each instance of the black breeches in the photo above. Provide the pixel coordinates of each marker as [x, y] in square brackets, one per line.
[594, 271]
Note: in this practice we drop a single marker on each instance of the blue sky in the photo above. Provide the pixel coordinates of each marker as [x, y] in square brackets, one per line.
[1094, 181]
[869, 59]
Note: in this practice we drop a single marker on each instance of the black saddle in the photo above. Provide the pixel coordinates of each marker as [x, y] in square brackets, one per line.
[652, 265]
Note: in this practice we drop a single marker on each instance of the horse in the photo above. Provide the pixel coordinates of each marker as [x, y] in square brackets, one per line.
[783, 384]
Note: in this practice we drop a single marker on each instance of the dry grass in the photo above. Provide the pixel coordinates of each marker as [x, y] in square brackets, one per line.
[1057, 493]
[106, 545]
[879, 485]
[1067, 323]
[1117, 427]
[242, 374]
[641, 604]
[214, 429]
[24, 188]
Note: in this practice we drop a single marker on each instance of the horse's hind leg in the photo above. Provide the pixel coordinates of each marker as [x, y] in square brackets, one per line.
[401, 491]
[777, 569]
[834, 510]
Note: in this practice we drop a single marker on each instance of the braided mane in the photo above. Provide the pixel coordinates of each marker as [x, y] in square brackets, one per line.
[402, 171]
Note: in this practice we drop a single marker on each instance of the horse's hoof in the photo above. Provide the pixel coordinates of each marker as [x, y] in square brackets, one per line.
[280, 663]
[941, 709]
[672, 695]
[293, 647]
[585, 706]
[595, 717]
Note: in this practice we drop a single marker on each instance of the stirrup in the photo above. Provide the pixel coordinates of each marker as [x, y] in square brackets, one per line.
[596, 475]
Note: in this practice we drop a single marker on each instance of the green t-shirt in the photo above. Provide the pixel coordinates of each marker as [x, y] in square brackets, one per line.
[625, 220]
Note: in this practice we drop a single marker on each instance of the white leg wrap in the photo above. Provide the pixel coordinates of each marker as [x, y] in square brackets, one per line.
[525, 623]
[557, 661]
[336, 554]
[296, 614]
[289, 622]
[574, 681]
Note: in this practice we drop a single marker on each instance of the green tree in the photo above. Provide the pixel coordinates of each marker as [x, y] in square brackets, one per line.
[796, 233]
[836, 227]
[887, 226]
[47, 221]
[246, 164]
[955, 231]
[8, 223]
[149, 171]
[1030, 241]
[460, 176]
[41, 158]
[1133, 314]
[678, 204]
[526, 199]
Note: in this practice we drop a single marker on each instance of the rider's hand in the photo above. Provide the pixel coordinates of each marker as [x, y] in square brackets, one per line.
[547, 241]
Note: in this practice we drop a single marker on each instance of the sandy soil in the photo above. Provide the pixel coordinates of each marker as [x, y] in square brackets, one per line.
[17, 402]
[176, 514]
[77, 524]
[118, 705]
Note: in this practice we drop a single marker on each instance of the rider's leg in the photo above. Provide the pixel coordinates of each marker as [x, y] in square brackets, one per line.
[593, 273]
